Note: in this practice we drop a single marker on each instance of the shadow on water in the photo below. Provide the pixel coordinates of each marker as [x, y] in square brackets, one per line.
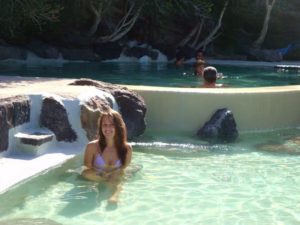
[82, 197]
[16, 197]
[85, 196]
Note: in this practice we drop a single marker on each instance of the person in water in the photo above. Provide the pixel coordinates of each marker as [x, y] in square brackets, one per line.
[210, 75]
[106, 158]
[199, 56]
[199, 68]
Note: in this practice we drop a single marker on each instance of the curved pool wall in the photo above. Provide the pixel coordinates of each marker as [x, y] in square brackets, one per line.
[187, 109]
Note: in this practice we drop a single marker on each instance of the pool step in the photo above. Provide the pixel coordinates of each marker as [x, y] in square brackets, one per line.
[33, 141]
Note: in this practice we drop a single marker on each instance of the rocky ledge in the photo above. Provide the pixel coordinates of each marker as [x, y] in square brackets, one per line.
[56, 113]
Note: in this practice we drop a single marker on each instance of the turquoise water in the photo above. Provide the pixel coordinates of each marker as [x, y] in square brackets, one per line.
[183, 181]
[153, 74]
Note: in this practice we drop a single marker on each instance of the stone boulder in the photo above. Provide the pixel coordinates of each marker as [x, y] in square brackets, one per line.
[185, 52]
[11, 52]
[133, 110]
[79, 54]
[110, 50]
[220, 127]
[42, 49]
[90, 114]
[264, 55]
[14, 111]
[139, 52]
[132, 106]
[167, 50]
[54, 117]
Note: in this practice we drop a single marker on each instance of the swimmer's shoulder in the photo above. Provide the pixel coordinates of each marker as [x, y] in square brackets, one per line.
[92, 146]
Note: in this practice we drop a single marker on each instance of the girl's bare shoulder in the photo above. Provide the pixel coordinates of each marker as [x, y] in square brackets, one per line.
[92, 145]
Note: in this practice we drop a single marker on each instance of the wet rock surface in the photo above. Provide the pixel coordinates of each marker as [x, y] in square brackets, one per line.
[90, 114]
[139, 52]
[14, 111]
[42, 49]
[132, 106]
[220, 128]
[12, 52]
[54, 117]
[265, 55]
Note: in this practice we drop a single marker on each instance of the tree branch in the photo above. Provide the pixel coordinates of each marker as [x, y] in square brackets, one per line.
[209, 38]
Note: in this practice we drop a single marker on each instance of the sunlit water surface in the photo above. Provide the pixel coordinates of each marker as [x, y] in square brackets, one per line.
[183, 181]
[151, 74]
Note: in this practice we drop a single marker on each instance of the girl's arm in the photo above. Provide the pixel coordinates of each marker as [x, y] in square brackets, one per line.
[89, 155]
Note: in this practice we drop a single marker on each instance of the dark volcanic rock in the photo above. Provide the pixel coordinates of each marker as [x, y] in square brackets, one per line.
[139, 52]
[132, 106]
[133, 110]
[54, 116]
[42, 49]
[90, 114]
[10, 52]
[79, 54]
[21, 111]
[4, 128]
[14, 111]
[220, 127]
[264, 55]
[110, 50]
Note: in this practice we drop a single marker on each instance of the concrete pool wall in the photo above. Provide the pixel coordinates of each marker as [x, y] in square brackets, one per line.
[187, 109]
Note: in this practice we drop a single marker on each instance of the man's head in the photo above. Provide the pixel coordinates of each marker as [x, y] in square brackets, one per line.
[210, 74]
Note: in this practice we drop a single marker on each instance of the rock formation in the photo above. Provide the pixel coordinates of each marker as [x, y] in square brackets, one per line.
[132, 106]
[90, 114]
[54, 117]
[220, 127]
[14, 111]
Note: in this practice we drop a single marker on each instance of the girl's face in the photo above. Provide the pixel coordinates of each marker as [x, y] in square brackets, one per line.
[108, 127]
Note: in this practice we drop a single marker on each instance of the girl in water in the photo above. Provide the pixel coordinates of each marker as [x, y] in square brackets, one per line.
[106, 158]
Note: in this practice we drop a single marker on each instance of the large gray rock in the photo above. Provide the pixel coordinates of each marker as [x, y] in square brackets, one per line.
[90, 114]
[78, 54]
[54, 116]
[139, 52]
[264, 55]
[132, 106]
[133, 110]
[10, 52]
[14, 111]
[220, 127]
[4, 124]
[110, 50]
[42, 49]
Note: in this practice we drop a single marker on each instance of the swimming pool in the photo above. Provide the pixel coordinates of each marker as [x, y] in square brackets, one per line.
[183, 181]
[151, 74]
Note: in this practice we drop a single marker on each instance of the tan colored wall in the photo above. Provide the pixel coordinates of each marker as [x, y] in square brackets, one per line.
[187, 109]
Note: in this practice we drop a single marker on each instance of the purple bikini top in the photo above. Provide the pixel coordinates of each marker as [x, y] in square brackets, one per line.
[99, 162]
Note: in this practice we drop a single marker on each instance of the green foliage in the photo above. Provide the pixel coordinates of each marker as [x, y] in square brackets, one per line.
[19, 18]
[164, 22]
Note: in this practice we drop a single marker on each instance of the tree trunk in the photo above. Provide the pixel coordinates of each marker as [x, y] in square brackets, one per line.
[264, 30]
[213, 33]
[96, 14]
[123, 27]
